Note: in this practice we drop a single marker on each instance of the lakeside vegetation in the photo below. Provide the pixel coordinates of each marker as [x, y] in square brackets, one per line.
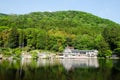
[53, 31]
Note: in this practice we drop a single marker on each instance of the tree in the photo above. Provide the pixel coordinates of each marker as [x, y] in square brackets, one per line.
[1, 40]
[107, 53]
[41, 39]
[102, 47]
[13, 39]
[112, 36]
[83, 42]
[117, 51]
[55, 30]
[22, 39]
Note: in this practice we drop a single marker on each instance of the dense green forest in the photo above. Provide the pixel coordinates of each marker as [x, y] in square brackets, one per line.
[53, 31]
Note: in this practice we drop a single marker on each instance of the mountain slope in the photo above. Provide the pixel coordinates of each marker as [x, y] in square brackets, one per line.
[55, 30]
[58, 19]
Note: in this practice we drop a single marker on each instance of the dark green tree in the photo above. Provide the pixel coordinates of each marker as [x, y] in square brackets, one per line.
[112, 36]
[13, 39]
[41, 39]
[22, 39]
[117, 51]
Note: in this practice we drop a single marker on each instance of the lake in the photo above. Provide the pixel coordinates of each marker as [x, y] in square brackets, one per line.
[60, 69]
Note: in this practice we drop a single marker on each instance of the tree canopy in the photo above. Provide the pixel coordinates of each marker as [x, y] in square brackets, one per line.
[55, 30]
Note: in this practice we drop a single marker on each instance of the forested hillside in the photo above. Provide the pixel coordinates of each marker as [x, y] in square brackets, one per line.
[53, 31]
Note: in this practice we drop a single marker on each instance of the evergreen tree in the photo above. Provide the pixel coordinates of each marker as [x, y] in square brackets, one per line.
[13, 39]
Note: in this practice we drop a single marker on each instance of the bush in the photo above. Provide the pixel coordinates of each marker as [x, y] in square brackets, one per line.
[6, 51]
[17, 52]
[117, 51]
[105, 53]
[108, 53]
[34, 54]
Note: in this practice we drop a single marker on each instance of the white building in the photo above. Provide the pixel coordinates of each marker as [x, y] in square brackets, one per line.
[75, 53]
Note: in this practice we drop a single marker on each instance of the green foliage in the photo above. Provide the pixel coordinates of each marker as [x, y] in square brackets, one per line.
[13, 39]
[3, 28]
[83, 42]
[34, 54]
[108, 53]
[55, 30]
[22, 38]
[6, 51]
[17, 52]
[105, 53]
[112, 36]
[41, 39]
[117, 51]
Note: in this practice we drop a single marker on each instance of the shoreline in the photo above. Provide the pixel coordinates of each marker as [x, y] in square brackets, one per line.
[12, 58]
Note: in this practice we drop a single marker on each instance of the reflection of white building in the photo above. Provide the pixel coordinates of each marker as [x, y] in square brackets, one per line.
[73, 63]
[68, 64]
[74, 53]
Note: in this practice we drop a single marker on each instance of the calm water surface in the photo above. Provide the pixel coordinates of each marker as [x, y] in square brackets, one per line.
[60, 69]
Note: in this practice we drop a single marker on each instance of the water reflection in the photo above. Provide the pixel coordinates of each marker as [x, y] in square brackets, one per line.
[25, 61]
[47, 62]
[73, 63]
[67, 63]
[60, 69]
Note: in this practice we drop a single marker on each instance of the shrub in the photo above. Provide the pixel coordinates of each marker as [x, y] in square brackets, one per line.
[117, 51]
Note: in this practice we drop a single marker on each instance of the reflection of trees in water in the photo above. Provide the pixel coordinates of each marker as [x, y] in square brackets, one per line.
[115, 71]
[110, 69]
[116, 63]
[21, 74]
[11, 74]
[80, 70]
[11, 70]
